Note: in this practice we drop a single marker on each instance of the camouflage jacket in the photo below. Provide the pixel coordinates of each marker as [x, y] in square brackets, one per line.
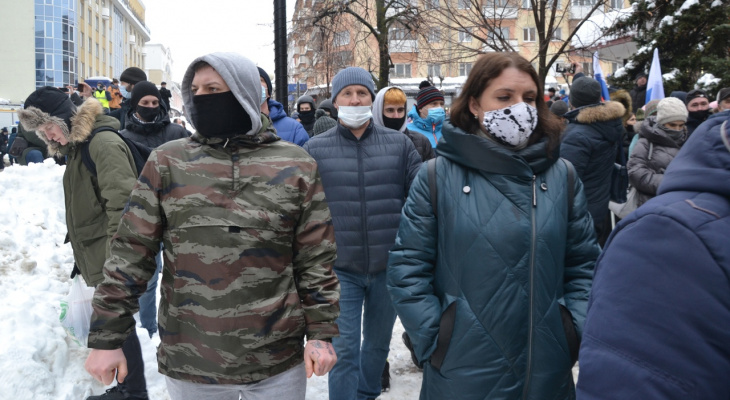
[249, 248]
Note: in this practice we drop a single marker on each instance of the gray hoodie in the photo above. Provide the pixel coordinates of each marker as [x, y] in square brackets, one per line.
[240, 74]
[378, 108]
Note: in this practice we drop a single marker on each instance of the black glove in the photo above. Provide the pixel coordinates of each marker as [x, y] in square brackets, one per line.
[75, 271]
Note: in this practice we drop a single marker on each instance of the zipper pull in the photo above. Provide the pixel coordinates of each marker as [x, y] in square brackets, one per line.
[534, 191]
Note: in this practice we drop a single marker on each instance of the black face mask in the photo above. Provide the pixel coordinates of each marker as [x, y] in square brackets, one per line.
[630, 128]
[148, 114]
[394, 123]
[220, 115]
[306, 116]
[699, 115]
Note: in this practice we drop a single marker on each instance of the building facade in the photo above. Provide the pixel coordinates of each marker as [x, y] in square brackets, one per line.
[438, 40]
[62, 42]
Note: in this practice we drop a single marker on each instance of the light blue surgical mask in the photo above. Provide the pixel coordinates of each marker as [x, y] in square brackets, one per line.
[437, 115]
[123, 91]
[263, 95]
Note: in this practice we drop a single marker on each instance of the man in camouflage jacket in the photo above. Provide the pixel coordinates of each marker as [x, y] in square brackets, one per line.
[249, 246]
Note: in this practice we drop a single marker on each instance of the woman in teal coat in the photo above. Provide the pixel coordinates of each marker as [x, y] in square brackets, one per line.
[492, 290]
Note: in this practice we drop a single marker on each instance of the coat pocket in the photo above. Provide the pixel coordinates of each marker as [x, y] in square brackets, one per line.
[446, 329]
[570, 334]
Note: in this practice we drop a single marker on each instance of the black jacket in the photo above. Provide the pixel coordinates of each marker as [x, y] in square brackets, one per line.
[423, 146]
[638, 97]
[165, 95]
[366, 182]
[153, 134]
[590, 142]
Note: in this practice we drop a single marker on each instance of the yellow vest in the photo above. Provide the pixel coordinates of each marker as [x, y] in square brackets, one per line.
[101, 96]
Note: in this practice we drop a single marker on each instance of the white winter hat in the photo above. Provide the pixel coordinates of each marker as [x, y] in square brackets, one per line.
[671, 109]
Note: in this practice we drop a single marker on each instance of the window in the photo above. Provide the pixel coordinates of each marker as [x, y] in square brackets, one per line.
[497, 33]
[103, 28]
[464, 4]
[91, 72]
[434, 69]
[615, 67]
[434, 35]
[90, 45]
[558, 34]
[89, 10]
[97, 24]
[496, 3]
[49, 29]
[465, 36]
[401, 71]
[584, 2]
[81, 42]
[526, 3]
[341, 38]
[82, 68]
[400, 34]
[617, 4]
[588, 68]
[529, 34]
[430, 4]
[464, 69]
[97, 50]
[549, 4]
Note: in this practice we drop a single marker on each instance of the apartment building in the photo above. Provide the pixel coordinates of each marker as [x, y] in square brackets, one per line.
[62, 42]
[448, 37]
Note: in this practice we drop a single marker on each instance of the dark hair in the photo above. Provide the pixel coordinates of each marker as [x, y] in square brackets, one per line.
[200, 65]
[487, 68]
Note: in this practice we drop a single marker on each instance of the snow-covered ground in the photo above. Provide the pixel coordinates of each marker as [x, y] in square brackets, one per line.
[37, 360]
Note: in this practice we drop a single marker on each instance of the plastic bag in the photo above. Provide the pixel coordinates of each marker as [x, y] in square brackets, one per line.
[76, 311]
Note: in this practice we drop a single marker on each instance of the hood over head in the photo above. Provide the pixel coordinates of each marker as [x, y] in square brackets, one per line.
[378, 105]
[327, 105]
[705, 155]
[242, 77]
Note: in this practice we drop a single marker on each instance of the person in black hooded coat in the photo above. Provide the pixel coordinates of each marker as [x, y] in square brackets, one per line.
[148, 123]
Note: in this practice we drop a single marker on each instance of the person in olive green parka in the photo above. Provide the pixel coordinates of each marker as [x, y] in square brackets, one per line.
[94, 204]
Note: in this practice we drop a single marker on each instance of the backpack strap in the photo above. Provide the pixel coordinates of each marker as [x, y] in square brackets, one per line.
[571, 185]
[85, 153]
[433, 188]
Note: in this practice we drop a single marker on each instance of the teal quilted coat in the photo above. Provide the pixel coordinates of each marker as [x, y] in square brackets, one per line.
[505, 252]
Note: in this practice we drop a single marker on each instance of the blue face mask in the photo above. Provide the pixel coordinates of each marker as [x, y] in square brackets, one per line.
[123, 91]
[437, 115]
[263, 95]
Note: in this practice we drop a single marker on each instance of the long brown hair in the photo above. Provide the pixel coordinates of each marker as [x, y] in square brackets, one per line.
[487, 68]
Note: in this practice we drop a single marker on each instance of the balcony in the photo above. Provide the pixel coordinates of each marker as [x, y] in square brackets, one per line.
[105, 13]
[132, 39]
[403, 46]
[487, 48]
[499, 12]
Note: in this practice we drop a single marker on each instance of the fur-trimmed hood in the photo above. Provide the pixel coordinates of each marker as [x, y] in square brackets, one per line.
[82, 123]
[597, 113]
[624, 98]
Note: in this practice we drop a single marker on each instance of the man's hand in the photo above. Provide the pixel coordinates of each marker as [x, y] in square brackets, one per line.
[103, 364]
[87, 89]
[319, 357]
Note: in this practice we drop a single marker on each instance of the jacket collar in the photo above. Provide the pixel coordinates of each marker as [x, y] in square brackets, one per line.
[347, 134]
[489, 156]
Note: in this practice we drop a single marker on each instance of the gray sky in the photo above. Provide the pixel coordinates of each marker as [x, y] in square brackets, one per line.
[192, 28]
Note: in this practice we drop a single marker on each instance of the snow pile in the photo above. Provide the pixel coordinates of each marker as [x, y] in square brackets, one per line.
[37, 360]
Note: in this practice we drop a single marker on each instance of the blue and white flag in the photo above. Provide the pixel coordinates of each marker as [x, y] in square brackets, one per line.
[655, 85]
[598, 75]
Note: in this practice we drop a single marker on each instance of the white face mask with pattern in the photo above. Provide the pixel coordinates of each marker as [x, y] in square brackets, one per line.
[512, 125]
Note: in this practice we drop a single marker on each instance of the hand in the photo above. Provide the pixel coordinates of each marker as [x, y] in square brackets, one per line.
[102, 364]
[578, 67]
[87, 89]
[319, 357]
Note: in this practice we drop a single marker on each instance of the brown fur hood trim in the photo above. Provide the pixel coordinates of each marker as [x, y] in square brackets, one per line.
[624, 98]
[82, 123]
[605, 112]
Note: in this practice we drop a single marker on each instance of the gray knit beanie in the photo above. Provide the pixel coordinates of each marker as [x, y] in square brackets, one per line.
[584, 92]
[670, 109]
[352, 76]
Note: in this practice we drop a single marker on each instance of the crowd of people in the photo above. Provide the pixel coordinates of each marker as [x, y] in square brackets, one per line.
[289, 245]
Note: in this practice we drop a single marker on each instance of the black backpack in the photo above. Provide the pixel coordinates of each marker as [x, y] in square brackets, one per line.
[140, 152]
